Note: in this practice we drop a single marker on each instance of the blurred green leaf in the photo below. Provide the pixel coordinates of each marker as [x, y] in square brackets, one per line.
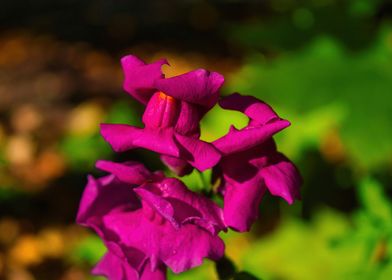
[324, 86]
[89, 250]
[81, 151]
[375, 202]
[124, 112]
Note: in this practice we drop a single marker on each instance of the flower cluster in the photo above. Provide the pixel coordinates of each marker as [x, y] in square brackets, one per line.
[148, 221]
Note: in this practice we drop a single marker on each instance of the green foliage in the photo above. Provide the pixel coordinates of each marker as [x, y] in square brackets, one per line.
[324, 86]
[82, 150]
[331, 246]
[294, 24]
[124, 113]
[89, 250]
[205, 271]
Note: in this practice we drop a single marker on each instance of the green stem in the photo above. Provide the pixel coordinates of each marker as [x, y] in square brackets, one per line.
[203, 180]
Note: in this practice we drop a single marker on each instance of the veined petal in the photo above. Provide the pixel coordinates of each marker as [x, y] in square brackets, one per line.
[161, 112]
[140, 77]
[282, 178]
[199, 87]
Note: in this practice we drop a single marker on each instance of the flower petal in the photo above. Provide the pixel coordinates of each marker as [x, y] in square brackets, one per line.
[172, 199]
[131, 172]
[200, 154]
[282, 178]
[258, 111]
[180, 249]
[186, 248]
[116, 265]
[125, 137]
[179, 166]
[114, 268]
[241, 203]
[159, 204]
[132, 229]
[188, 122]
[240, 140]
[140, 77]
[102, 196]
[199, 87]
[158, 274]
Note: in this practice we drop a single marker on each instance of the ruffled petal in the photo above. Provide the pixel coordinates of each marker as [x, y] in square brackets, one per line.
[133, 229]
[141, 231]
[241, 203]
[187, 247]
[282, 178]
[200, 154]
[140, 77]
[125, 137]
[114, 268]
[131, 172]
[180, 249]
[199, 87]
[240, 140]
[117, 266]
[120, 264]
[172, 199]
[258, 111]
[159, 204]
[102, 196]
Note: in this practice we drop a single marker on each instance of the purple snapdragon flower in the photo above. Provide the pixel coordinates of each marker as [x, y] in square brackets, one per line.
[174, 108]
[251, 164]
[149, 222]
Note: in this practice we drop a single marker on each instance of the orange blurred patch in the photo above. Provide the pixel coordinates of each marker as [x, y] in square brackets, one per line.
[26, 251]
[332, 147]
[26, 118]
[9, 231]
[20, 150]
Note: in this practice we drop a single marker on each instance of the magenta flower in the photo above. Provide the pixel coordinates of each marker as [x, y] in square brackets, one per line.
[251, 163]
[174, 108]
[148, 222]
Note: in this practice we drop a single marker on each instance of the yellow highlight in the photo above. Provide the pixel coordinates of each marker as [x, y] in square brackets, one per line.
[166, 97]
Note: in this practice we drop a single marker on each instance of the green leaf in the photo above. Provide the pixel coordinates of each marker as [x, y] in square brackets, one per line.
[375, 201]
[89, 250]
[323, 88]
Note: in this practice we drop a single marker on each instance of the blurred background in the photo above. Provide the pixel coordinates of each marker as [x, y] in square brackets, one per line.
[326, 65]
